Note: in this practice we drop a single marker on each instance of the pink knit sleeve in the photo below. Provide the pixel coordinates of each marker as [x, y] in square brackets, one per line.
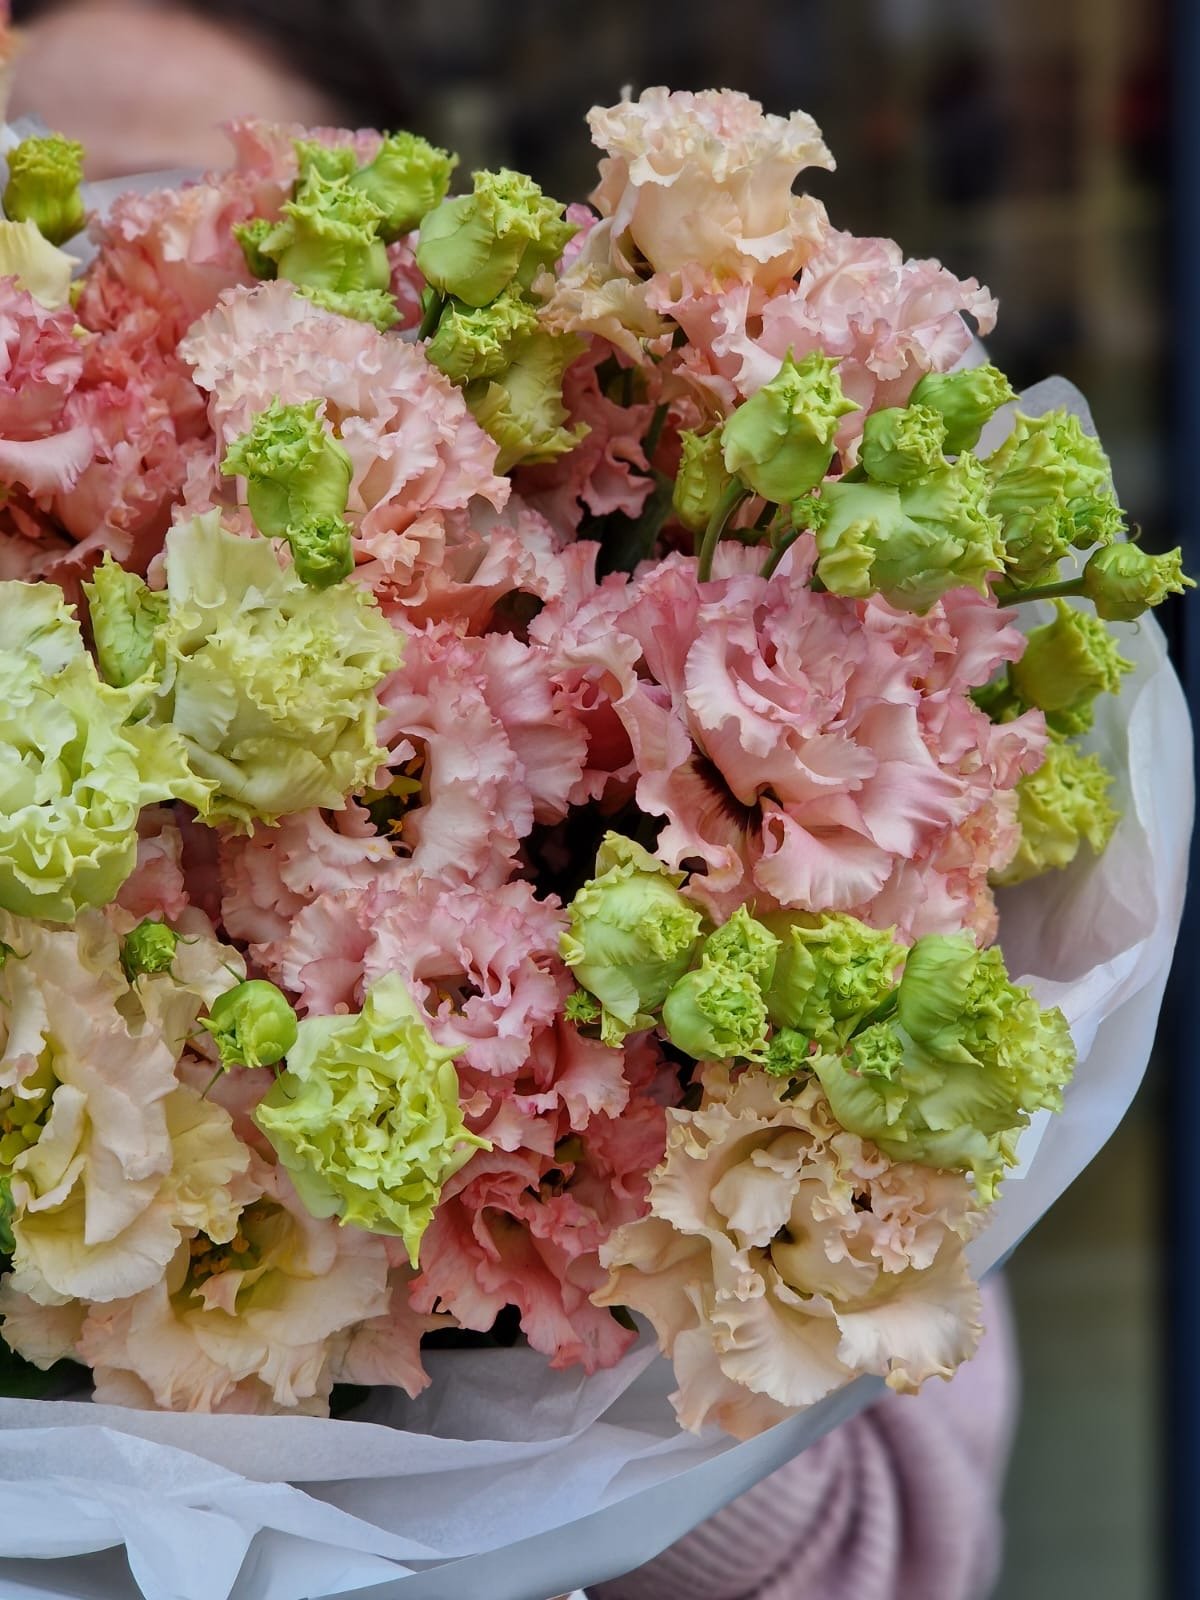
[901, 1503]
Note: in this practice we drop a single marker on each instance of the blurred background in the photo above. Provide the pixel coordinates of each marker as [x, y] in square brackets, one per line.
[1026, 142]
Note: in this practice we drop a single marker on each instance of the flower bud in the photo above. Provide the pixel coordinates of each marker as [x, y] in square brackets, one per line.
[506, 229]
[631, 936]
[911, 544]
[322, 553]
[902, 443]
[789, 1054]
[965, 401]
[701, 480]
[1122, 580]
[150, 947]
[480, 342]
[252, 1024]
[407, 178]
[934, 988]
[716, 1013]
[522, 408]
[746, 945]
[294, 468]
[1061, 806]
[830, 972]
[333, 162]
[44, 175]
[1066, 664]
[1052, 489]
[327, 243]
[781, 440]
[125, 615]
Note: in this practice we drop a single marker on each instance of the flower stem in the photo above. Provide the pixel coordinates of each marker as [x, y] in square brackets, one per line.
[735, 493]
[654, 432]
[433, 314]
[779, 550]
[1006, 595]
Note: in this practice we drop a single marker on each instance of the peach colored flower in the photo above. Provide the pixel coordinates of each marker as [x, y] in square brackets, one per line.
[782, 1256]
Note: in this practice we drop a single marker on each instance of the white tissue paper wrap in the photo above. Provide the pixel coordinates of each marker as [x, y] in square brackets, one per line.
[505, 1480]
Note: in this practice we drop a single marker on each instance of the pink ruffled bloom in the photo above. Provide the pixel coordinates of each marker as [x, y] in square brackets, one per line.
[801, 747]
[41, 361]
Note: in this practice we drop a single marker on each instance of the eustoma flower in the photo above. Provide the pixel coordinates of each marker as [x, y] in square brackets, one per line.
[366, 1118]
[269, 683]
[782, 1256]
[44, 175]
[77, 763]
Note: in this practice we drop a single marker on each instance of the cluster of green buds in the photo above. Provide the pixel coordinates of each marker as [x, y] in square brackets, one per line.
[297, 485]
[252, 1025]
[332, 237]
[913, 519]
[950, 1067]
[481, 254]
[44, 177]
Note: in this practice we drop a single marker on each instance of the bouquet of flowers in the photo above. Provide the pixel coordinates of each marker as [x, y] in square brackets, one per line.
[515, 716]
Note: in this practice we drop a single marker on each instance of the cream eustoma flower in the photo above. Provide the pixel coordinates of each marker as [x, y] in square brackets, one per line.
[110, 1159]
[782, 1257]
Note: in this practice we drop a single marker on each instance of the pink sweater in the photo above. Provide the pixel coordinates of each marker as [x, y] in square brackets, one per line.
[901, 1503]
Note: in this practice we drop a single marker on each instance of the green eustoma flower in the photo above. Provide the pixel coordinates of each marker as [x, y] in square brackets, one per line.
[77, 763]
[1123, 581]
[631, 935]
[252, 1024]
[951, 1079]
[702, 478]
[505, 231]
[831, 971]
[44, 175]
[901, 443]
[125, 613]
[270, 684]
[781, 441]
[1066, 665]
[1060, 807]
[716, 1013]
[367, 1119]
[406, 180]
[965, 401]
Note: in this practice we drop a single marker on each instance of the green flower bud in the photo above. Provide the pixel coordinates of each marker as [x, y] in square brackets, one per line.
[251, 236]
[408, 177]
[480, 342]
[789, 1054]
[933, 990]
[1060, 807]
[581, 1008]
[902, 443]
[965, 401]
[506, 229]
[150, 947]
[716, 1013]
[1052, 489]
[1066, 664]
[252, 1024]
[295, 469]
[781, 440]
[522, 409]
[332, 162]
[631, 935]
[746, 945]
[43, 186]
[327, 243]
[321, 550]
[701, 480]
[912, 544]
[125, 614]
[831, 971]
[877, 1052]
[1122, 580]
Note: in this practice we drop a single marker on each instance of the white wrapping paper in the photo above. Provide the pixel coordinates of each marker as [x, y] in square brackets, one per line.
[508, 1481]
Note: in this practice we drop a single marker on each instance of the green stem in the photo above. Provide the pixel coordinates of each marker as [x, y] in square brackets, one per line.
[735, 492]
[433, 315]
[1009, 596]
[654, 432]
